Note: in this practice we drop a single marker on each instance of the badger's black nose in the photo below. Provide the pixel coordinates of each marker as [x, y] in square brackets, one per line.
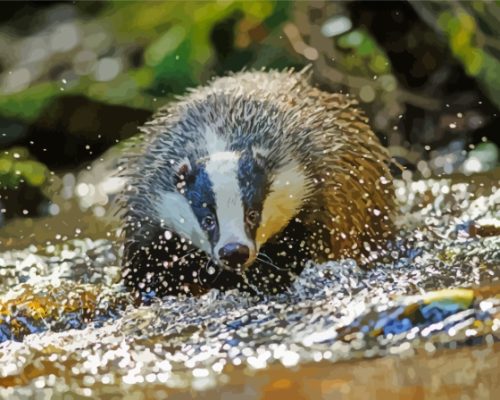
[234, 254]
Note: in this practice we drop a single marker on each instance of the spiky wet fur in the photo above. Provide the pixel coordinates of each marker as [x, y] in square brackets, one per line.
[349, 205]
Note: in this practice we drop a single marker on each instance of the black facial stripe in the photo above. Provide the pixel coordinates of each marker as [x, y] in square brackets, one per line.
[254, 185]
[200, 195]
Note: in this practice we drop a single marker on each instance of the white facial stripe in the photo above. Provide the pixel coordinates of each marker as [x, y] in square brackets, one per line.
[174, 209]
[286, 194]
[222, 169]
[214, 143]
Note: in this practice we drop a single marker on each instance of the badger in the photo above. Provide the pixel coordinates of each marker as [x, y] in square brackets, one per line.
[239, 183]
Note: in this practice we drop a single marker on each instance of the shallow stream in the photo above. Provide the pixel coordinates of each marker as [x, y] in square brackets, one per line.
[423, 323]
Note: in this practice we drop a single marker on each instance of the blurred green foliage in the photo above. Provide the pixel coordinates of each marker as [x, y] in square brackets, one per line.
[367, 56]
[16, 166]
[473, 32]
[177, 52]
[28, 104]
[178, 57]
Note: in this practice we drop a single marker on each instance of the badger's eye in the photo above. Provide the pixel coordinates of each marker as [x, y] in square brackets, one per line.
[208, 222]
[252, 217]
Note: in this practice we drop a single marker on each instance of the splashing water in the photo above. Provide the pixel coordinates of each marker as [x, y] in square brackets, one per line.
[67, 325]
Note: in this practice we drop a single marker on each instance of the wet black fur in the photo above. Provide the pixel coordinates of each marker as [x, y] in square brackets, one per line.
[149, 250]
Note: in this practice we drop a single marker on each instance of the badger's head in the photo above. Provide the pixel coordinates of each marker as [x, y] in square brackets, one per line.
[230, 203]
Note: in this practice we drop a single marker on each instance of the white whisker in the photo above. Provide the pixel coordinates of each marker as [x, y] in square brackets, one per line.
[204, 267]
[220, 272]
[270, 263]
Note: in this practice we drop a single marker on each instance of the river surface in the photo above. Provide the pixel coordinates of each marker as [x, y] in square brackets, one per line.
[422, 323]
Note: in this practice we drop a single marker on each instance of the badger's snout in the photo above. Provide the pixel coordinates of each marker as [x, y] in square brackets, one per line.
[234, 254]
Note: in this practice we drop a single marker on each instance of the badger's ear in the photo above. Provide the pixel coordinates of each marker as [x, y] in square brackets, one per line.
[183, 172]
[260, 155]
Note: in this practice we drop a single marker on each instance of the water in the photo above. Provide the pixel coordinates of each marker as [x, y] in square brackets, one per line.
[424, 321]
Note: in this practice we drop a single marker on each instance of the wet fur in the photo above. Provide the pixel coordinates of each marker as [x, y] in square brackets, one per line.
[348, 209]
